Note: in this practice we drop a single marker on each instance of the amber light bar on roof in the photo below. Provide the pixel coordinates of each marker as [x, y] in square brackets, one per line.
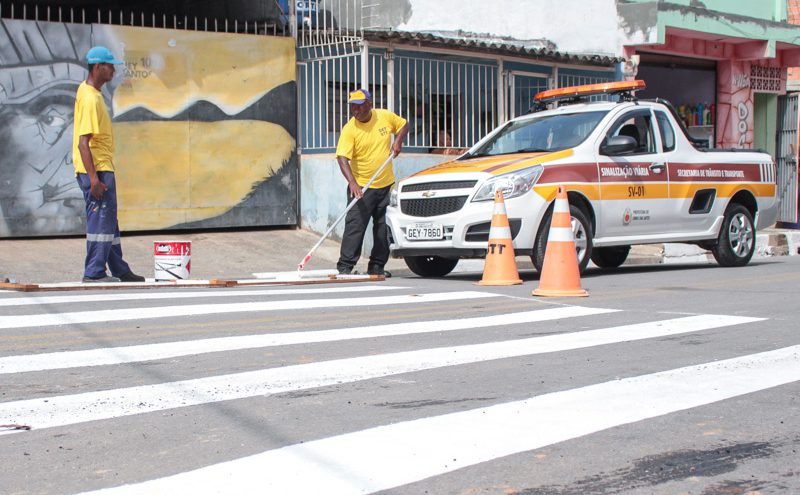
[590, 89]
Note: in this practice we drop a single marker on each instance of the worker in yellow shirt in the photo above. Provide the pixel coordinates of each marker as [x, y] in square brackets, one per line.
[93, 158]
[364, 145]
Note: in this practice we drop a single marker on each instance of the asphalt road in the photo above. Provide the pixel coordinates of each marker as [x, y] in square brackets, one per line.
[666, 379]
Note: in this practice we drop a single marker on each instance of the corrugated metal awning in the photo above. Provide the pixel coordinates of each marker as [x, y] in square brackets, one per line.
[544, 51]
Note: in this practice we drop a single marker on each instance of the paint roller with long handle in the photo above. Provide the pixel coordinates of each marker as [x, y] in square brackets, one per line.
[353, 201]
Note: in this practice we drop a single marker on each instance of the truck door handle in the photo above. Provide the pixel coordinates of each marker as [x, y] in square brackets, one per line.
[658, 167]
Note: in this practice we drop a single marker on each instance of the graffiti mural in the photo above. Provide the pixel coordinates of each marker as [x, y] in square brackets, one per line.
[40, 70]
[204, 127]
[734, 105]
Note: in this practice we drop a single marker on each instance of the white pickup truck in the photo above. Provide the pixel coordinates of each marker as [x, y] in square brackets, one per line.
[633, 175]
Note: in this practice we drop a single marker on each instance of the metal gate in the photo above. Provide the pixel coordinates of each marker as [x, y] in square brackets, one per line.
[787, 153]
[523, 86]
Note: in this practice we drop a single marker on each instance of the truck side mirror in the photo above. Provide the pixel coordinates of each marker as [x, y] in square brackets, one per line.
[618, 145]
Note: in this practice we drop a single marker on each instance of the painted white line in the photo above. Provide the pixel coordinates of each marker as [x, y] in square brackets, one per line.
[207, 293]
[149, 352]
[297, 274]
[63, 410]
[389, 456]
[24, 321]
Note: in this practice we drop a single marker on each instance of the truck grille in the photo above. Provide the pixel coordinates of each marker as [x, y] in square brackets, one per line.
[430, 207]
[435, 186]
[480, 231]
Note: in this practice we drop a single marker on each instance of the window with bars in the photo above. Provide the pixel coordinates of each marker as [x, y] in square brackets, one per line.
[567, 79]
[450, 102]
[766, 79]
[338, 108]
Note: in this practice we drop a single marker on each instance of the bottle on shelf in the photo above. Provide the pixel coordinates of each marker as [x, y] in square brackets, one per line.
[694, 115]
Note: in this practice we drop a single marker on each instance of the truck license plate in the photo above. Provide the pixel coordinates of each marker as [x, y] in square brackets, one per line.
[424, 232]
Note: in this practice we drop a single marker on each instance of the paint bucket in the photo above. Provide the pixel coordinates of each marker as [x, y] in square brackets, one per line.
[173, 259]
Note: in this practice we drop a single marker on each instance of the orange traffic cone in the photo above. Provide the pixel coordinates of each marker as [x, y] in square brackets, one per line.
[500, 267]
[561, 276]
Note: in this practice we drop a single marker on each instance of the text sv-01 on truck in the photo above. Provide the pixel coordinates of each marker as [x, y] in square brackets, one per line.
[633, 173]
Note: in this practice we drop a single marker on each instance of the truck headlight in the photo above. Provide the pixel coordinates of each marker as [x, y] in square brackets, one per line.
[393, 197]
[512, 184]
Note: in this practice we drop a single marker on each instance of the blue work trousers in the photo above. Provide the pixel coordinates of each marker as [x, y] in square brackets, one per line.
[103, 245]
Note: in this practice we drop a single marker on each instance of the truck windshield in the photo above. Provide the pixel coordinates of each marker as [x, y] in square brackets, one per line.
[545, 133]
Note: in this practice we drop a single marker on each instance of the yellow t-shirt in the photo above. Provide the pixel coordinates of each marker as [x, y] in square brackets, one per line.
[91, 117]
[367, 145]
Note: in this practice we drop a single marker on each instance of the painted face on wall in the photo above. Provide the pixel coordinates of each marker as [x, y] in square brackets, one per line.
[38, 191]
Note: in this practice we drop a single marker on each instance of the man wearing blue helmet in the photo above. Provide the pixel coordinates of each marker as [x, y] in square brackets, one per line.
[93, 158]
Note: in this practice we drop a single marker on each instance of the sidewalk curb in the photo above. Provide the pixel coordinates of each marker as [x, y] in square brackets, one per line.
[768, 245]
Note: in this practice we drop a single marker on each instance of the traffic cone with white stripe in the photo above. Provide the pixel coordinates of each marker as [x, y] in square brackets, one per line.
[561, 276]
[500, 267]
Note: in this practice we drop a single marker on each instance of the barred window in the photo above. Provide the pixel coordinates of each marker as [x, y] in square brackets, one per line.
[766, 79]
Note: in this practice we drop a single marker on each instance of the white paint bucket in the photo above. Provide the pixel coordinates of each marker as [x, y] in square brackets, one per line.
[173, 259]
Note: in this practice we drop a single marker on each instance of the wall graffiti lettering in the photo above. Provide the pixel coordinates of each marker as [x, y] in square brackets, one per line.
[734, 105]
[743, 113]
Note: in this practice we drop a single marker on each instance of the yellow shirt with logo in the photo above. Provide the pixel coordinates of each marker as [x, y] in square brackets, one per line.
[367, 145]
[91, 117]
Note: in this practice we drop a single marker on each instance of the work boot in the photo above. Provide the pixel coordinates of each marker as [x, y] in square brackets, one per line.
[131, 277]
[101, 279]
[375, 270]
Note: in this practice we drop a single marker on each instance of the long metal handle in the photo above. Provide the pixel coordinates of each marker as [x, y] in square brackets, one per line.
[353, 201]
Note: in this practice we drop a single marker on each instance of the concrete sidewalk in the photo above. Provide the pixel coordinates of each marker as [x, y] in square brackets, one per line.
[229, 254]
[769, 243]
[237, 254]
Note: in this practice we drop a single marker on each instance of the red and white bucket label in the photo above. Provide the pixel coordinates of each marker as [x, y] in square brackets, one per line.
[173, 259]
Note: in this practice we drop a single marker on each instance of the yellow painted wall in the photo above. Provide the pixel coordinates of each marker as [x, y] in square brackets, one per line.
[198, 164]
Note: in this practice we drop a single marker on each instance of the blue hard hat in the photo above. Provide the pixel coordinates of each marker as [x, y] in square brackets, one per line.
[101, 55]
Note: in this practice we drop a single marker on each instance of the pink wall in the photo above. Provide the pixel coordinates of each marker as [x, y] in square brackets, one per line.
[734, 105]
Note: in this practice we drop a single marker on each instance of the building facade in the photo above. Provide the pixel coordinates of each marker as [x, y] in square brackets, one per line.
[454, 71]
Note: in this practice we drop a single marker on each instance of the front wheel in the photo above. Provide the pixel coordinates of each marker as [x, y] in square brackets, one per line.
[581, 233]
[737, 240]
[610, 257]
[430, 266]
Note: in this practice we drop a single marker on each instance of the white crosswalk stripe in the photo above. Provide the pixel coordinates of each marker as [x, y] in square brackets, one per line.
[79, 317]
[92, 406]
[173, 296]
[384, 457]
[118, 355]
[379, 456]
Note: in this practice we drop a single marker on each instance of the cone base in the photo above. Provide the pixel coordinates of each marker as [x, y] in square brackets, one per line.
[560, 293]
[500, 282]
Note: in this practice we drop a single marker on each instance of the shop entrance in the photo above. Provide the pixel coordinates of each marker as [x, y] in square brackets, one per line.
[765, 118]
[689, 84]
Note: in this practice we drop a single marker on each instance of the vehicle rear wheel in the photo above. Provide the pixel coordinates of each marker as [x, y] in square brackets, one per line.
[581, 232]
[430, 266]
[737, 240]
[610, 257]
